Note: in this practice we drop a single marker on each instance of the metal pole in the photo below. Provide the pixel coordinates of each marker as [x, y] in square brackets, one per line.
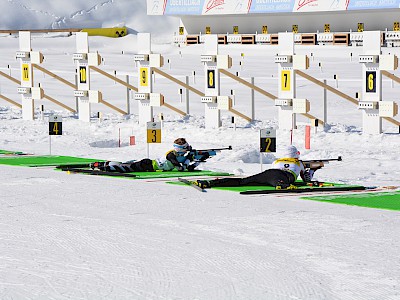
[187, 95]
[128, 106]
[76, 98]
[325, 105]
[252, 100]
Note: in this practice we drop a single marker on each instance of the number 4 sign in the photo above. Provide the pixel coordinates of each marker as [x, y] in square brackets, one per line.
[55, 125]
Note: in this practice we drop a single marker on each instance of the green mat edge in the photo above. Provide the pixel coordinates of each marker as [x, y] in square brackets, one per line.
[260, 187]
[37, 160]
[358, 199]
[167, 174]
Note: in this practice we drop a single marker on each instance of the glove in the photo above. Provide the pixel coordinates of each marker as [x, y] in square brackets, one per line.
[205, 156]
[188, 155]
[181, 168]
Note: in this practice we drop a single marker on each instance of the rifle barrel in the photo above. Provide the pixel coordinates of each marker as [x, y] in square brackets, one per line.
[324, 160]
[215, 149]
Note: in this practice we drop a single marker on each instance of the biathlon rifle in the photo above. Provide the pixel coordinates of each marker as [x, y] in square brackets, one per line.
[318, 163]
[202, 155]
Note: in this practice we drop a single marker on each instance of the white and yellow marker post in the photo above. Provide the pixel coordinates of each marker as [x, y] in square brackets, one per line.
[83, 60]
[55, 127]
[213, 63]
[28, 92]
[153, 134]
[374, 109]
[289, 62]
[146, 62]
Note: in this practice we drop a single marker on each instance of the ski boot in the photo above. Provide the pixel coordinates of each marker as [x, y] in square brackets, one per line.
[285, 186]
[204, 184]
[99, 165]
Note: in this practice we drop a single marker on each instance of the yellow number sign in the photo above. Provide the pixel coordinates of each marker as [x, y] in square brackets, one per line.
[264, 29]
[396, 26]
[144, 73]
[154, 136]
[235, 29]
[82, 74]
[153, 132]
[25, 72]
[327, 28]
[211, 79]
[295, 28]
[285, 80]
[208, 30]
[371, 82]
[360, 27]
[181, 30]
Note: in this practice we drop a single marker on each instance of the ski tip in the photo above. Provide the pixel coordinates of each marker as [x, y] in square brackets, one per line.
[189, 183]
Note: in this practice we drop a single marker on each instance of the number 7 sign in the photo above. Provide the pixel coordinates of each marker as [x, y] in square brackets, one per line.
[285, 80]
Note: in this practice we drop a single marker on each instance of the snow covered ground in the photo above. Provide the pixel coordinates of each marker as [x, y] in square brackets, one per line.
[86, 237]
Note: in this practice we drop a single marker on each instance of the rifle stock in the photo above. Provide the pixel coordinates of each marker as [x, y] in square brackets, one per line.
[315, 163]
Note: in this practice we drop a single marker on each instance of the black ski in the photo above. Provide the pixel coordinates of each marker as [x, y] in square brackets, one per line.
[73, 166]
[305, 190]
[185, 181]
[97, 172]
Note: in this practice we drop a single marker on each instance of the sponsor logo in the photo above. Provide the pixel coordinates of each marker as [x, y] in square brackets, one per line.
[213, 4]
[303, 3]
[184, 2]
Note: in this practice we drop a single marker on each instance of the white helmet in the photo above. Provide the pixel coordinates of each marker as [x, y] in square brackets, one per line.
[291, 152]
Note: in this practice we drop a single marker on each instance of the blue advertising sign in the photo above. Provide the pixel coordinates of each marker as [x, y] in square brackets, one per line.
[373, 4]
[184, 7]
[271, 6]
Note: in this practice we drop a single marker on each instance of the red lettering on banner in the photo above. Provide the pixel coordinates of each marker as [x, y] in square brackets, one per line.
[214, 3]
[303, 3]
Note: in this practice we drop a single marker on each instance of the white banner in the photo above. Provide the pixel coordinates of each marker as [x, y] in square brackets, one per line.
[240, 7]
[156, 7]
[320, 5]
[225, 7]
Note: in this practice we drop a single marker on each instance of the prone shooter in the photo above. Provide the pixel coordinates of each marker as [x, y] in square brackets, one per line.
[182, 158]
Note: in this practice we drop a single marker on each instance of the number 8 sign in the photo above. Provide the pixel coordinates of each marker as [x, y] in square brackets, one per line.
[211, 79]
